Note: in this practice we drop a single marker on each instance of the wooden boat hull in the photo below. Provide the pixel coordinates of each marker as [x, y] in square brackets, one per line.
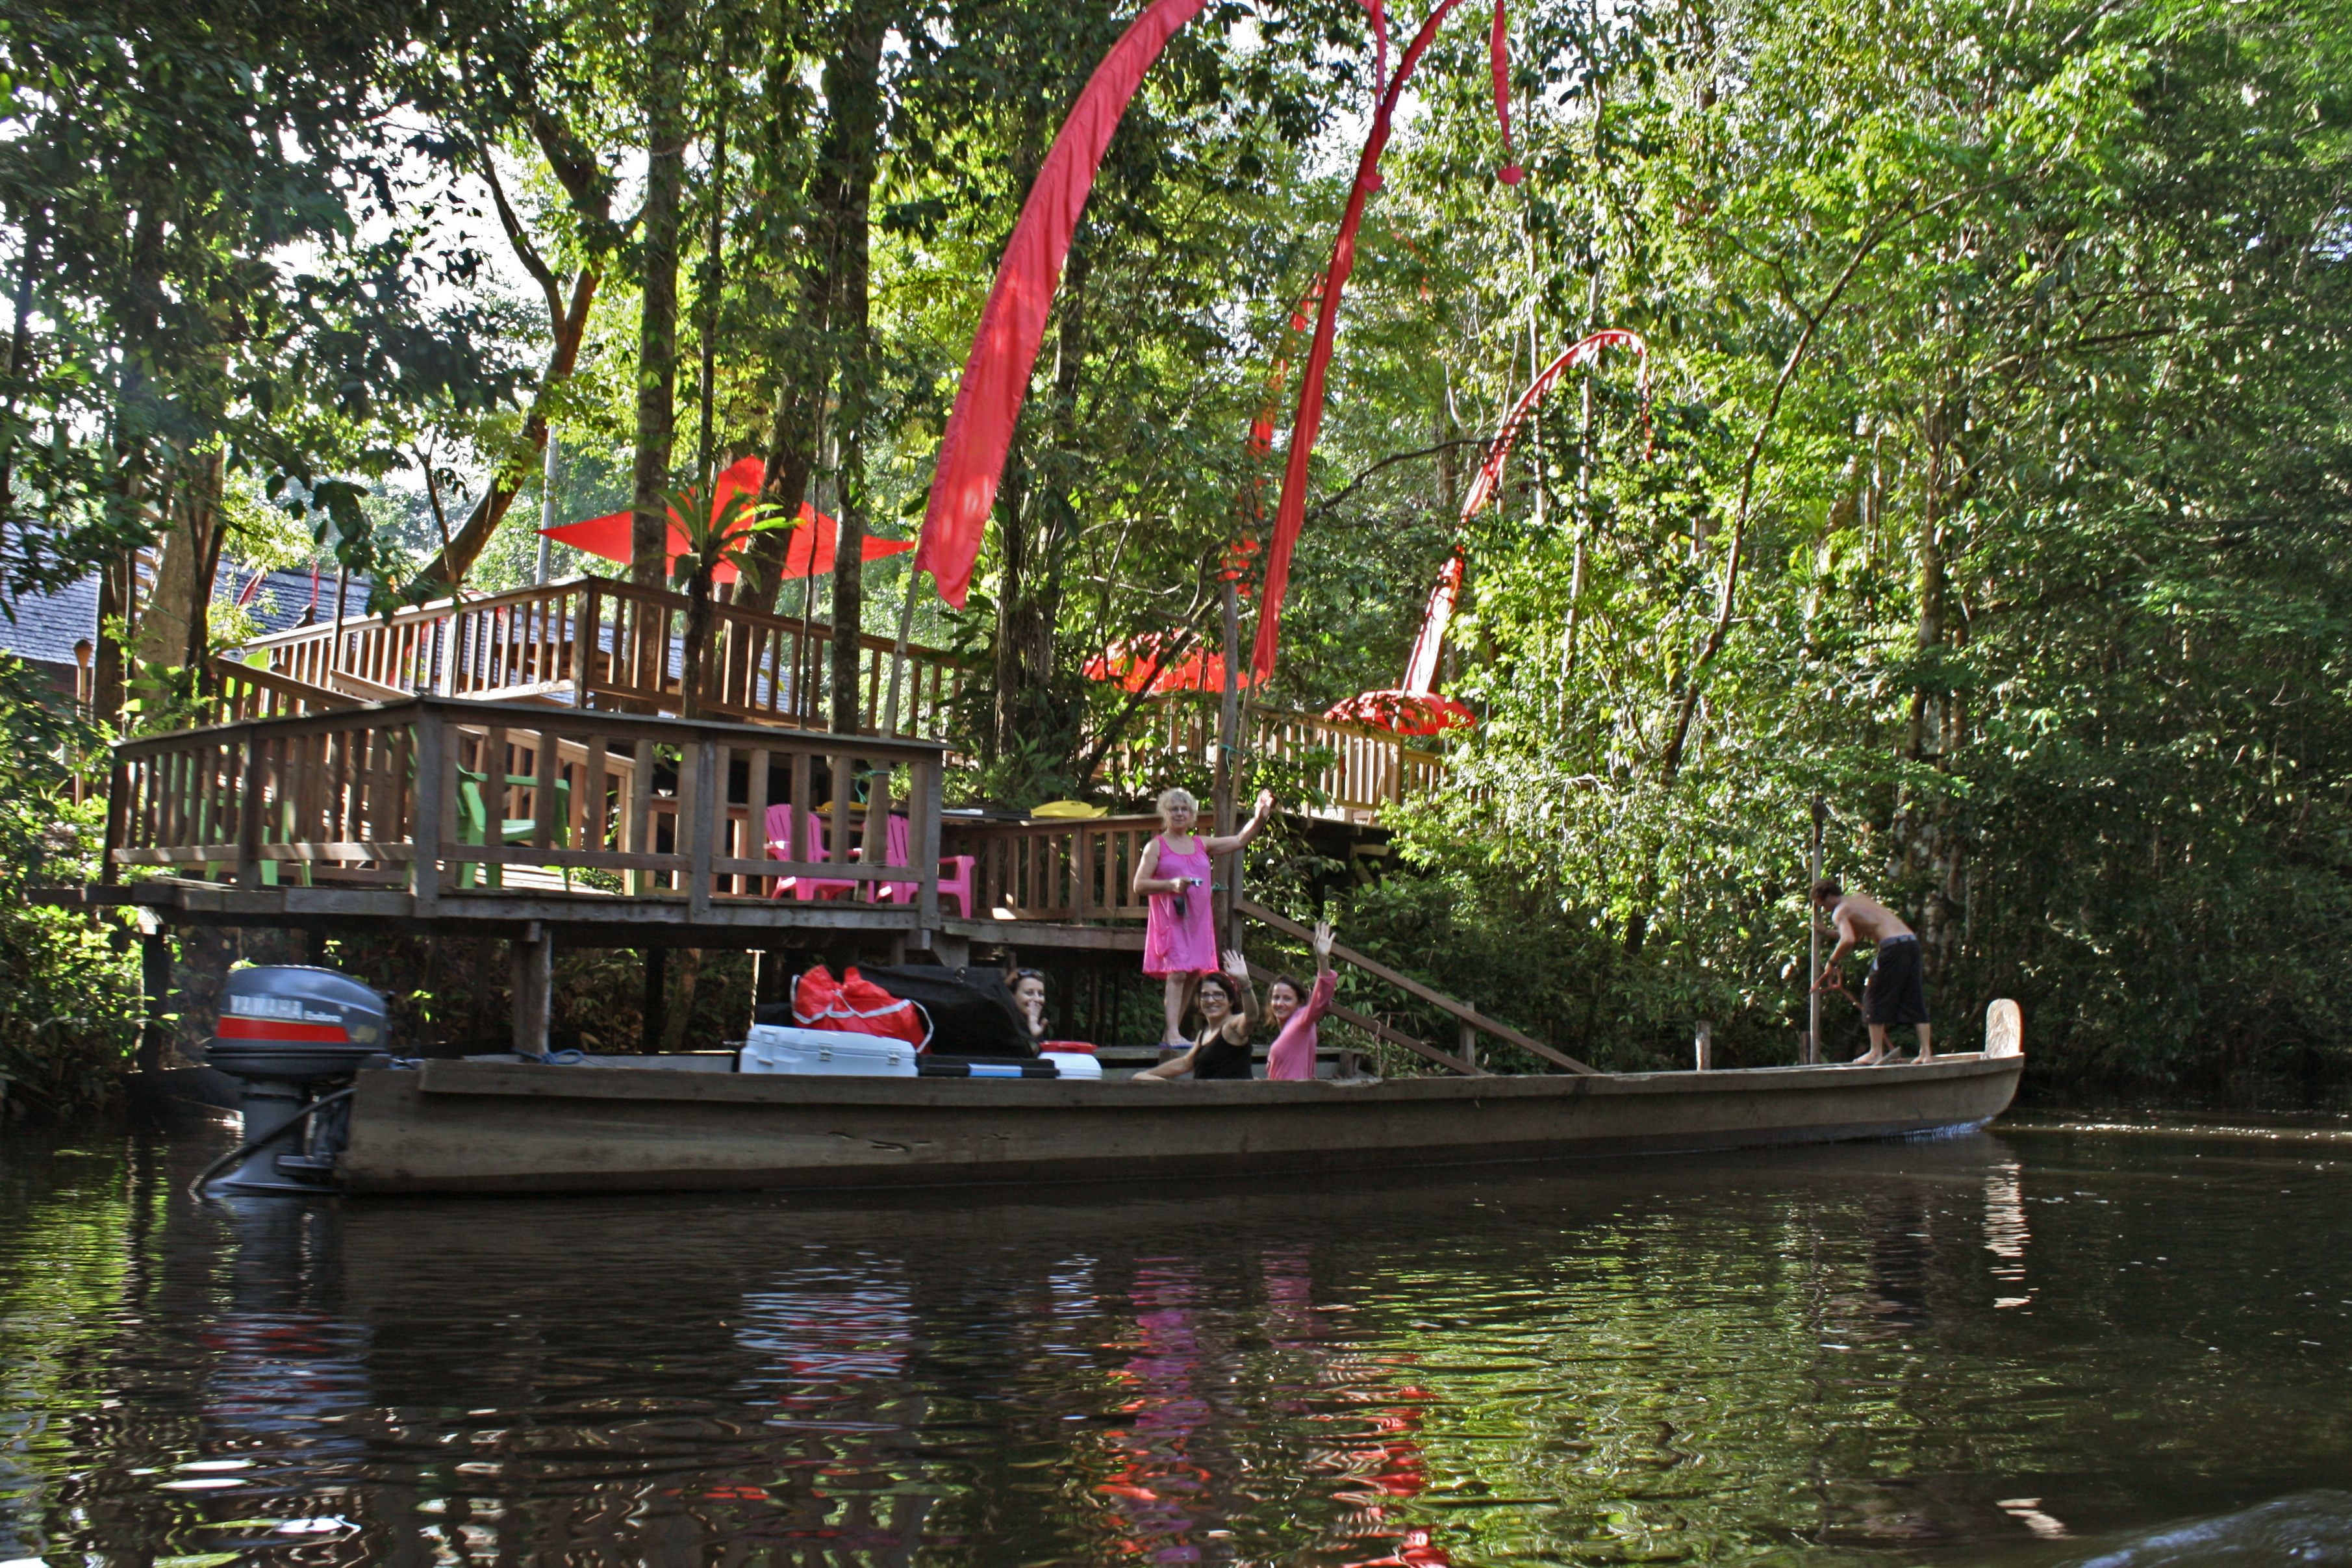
[494, 1128]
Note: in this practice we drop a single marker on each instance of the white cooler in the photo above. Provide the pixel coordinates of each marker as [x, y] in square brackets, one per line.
[1073, 1063]
[778, 1047]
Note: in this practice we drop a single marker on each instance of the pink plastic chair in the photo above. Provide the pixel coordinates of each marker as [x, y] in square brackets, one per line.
[784, 822]
[899, 850]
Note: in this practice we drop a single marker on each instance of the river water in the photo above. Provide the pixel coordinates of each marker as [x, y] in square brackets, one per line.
[2028, 1347]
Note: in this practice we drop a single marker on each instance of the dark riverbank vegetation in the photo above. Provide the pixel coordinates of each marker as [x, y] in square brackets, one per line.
[1991, 482]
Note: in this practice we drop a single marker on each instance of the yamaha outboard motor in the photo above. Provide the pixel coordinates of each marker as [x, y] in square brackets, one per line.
[294, 1037]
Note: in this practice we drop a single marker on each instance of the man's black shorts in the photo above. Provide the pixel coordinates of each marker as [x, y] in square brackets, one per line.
[1895, 992]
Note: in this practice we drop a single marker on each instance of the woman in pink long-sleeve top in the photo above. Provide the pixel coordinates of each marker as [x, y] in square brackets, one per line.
[1292, 1055]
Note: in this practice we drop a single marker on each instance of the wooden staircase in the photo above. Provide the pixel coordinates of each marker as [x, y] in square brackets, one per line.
[1470, 1024]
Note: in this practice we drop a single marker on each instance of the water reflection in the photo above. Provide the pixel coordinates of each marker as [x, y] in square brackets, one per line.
[2006, 1232]
[1942, 1351]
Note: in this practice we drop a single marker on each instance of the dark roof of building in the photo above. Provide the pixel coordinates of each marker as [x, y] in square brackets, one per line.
[286, 599]
[47, 626]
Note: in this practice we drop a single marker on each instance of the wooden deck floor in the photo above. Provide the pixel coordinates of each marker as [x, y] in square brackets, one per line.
[584, 919]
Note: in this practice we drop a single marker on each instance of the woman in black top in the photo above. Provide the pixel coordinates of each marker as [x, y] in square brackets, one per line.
[1029, 995]
[1228, 1010]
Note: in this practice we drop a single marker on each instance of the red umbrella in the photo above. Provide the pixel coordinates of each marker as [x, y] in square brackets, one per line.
[1409, 713]
[1137, 663]
[608, 536]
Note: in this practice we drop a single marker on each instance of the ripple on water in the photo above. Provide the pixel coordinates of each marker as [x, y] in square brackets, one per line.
[1795, 1358]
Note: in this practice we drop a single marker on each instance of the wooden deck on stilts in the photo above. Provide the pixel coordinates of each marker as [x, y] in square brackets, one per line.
[514, 767]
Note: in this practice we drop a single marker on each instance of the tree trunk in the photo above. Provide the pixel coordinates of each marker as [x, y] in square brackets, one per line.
[853, 88]
[791, 460]
[115, 595]
[584, 181]
[118, 582]
[1925, 831]
[1035, 529]
[1013, 563]
[1005, 715]
[698, 632]
[664, 110]
[1929, 580]
[797, 365]
[163, 632]
[713, 281]
[207, 526]
[174, 633]
[466, 546]
[20, 363]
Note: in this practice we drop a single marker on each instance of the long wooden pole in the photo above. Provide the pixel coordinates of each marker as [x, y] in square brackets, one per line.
[898, 654]
[1813, 940]
[1228, 726]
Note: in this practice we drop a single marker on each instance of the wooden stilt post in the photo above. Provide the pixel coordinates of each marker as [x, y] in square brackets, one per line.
[657, 996]
[532, 954]
[156, 986]
[771, 976]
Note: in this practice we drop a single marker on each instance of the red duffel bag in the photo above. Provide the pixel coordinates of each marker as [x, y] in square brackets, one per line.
[855, 1006]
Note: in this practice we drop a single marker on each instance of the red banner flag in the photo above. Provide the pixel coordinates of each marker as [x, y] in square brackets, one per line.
[1012, 325]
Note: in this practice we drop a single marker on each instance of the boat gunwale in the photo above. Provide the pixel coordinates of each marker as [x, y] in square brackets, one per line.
[587, 1081]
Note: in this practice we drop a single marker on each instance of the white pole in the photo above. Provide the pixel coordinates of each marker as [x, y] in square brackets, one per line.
[546, 503]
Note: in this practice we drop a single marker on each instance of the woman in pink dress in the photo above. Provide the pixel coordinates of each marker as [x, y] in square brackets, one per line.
[1180, 941]
[1296, 1012]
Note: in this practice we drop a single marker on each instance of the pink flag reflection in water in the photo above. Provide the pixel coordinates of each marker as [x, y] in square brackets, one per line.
[1162, 1493]
[1164, 1497]
[1381, 1464]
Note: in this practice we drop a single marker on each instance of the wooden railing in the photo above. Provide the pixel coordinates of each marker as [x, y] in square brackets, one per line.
[440, 794]
[600, 643]
[1354, 771]
[242, 692]
[769, 670]
[1366, 769]
[597, 642]
[1062, 870]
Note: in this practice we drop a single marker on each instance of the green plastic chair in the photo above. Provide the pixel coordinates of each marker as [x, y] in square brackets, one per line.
[286, 836]
[474, 824]
[269, 868]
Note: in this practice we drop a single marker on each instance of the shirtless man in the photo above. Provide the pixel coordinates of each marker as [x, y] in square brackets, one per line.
[1895, 992]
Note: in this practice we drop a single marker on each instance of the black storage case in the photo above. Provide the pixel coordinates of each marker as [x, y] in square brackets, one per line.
[971, 1011]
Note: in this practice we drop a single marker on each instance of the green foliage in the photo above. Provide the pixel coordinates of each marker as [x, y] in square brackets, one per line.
[69, 1001]
[1993, 483]
[1998, 496]
[717, 536]
[222, 242]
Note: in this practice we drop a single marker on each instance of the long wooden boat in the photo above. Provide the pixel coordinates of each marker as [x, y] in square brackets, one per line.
[458, 1126]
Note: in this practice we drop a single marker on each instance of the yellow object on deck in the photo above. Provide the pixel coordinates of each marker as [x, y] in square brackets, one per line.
[1073, 810]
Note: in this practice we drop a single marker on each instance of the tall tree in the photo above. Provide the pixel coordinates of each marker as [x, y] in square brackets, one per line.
[852, 91]
[668, 43]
